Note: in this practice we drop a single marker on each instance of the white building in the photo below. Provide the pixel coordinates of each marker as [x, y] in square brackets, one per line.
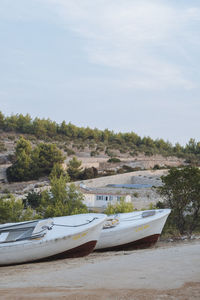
[98, 200]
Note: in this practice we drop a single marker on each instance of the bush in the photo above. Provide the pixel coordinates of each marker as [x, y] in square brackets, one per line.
[156, 167]
[32, 200]
[2, 147]
[89, 173]
[69, 151]
[121, 207]
[94, 153]
[114, 160]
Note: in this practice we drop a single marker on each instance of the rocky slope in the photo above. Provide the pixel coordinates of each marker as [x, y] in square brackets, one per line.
[145, 164]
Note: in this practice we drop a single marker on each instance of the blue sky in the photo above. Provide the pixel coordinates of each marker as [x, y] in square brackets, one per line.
[125, 65]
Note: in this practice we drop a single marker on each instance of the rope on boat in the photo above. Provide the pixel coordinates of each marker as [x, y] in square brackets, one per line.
[65, 225]
[111, 222]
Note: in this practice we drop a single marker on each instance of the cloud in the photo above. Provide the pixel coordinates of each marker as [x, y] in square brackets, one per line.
[140, 38]
[146, 41]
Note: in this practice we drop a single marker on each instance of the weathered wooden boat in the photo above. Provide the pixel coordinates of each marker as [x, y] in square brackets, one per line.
[60, 237]
[138, 229]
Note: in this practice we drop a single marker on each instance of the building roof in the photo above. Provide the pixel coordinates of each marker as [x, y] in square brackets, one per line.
[102, 192]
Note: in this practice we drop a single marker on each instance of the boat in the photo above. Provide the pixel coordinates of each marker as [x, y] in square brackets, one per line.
[138, 229]
[59, 237]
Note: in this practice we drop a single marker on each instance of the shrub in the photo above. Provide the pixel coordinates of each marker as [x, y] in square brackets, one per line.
[94, 153]
[114, 160]
[69, 151]
[32, 200]
[156, 167]
[121, 207]
[89, 173]
[2, 147]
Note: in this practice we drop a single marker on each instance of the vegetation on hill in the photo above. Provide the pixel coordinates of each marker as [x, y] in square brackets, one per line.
[33, 163]
[97, 140]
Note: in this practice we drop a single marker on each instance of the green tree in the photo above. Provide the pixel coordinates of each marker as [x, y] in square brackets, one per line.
[178, 149]
[23, 124]
[89, 173]
[2, 120]
[61, 200]
[12, 210]
[20, 170]
[191, 146]
[44, 156]
[32, 164]
[74, 168]
[32, 200]
[39, 128]
[181, 191]
[23, 145]
[58, 171]
[10, 123]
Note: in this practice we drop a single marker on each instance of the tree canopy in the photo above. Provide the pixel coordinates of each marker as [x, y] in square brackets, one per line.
[12, 210]
[33, 163]
[61, 200]
[74, 168]
[124, 142]
[181, 191]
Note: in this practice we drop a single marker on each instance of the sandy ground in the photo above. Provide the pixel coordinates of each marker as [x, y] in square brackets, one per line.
[167, 271]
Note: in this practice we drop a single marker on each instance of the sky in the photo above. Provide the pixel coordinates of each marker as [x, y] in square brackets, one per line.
[125, 65]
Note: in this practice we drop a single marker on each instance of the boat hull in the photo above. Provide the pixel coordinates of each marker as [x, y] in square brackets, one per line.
[80, 251]
[139, 244]
[60, 242]
[133, 232]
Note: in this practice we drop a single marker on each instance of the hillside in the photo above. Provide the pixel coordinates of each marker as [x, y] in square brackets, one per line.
[97, 142]
[142, 168]
[105, 152]
[100, 161]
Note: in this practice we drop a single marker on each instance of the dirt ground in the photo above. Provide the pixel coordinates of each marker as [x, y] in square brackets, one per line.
[166, 271]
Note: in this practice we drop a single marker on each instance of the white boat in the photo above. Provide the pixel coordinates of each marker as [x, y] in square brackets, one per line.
[138, 229]
[60, 237]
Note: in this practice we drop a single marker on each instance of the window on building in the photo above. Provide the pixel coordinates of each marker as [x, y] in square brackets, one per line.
[99, 197]
[118, 198]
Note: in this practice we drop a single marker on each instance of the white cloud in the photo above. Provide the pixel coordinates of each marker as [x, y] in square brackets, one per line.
[137, 36]
[145, 39]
